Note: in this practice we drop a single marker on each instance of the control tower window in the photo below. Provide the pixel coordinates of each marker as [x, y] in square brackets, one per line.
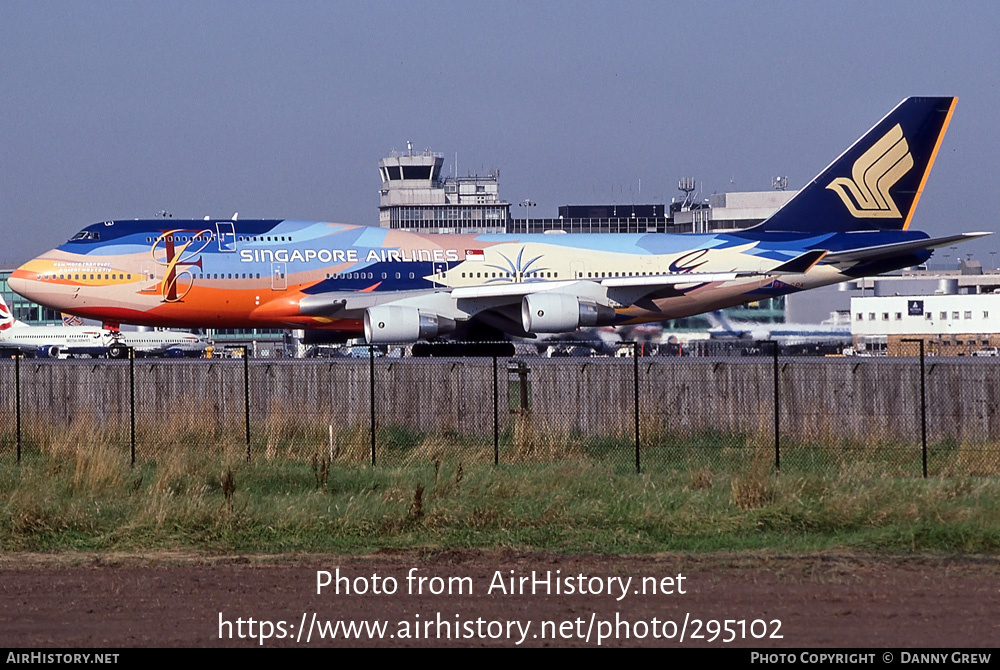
[394, 172]
[416, 172]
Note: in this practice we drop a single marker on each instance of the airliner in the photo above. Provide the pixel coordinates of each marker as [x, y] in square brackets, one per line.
[81, 340]
[852, 220]
[46, 341]
[169, 343]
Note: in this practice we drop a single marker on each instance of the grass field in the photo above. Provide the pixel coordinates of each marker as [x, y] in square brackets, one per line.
[697, 493]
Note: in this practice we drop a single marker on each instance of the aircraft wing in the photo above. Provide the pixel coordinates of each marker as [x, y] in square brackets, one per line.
[464, 302]
[652, 282]
[501, 305]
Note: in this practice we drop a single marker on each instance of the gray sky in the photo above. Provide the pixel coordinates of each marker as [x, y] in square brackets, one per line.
[282, 109]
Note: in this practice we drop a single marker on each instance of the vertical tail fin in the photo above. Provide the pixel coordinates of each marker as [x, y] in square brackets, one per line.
[876, 183]
[6, 317]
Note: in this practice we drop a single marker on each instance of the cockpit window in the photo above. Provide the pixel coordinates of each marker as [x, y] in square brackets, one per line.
[85, 235]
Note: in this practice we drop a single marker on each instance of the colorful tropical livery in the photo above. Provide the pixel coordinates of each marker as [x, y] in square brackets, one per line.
[850, 221]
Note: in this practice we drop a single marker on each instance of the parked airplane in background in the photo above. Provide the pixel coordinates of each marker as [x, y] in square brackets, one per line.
[169, 343]
[49, 341]
[782, 333]
[850, 221]
[57, 341]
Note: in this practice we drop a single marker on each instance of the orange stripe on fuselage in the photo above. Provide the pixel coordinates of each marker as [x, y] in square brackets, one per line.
[214, 307]
[36, 268]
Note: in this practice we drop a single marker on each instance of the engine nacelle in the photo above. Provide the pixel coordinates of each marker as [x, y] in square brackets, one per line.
[561, 313]
[388, 324]
[48, 352]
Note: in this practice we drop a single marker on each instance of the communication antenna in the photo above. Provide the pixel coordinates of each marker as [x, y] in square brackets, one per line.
[779, 183]
[687, 185]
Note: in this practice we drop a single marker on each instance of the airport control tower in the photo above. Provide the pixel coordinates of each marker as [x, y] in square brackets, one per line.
[415, 197]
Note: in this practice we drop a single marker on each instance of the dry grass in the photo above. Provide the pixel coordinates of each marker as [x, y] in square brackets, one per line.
[974, 459]
[532, 443]
[755, 488]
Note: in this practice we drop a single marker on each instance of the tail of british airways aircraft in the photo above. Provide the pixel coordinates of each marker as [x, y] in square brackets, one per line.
[874, 185]
[6, 318]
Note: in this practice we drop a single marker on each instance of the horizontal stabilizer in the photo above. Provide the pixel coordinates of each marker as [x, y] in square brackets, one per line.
[897, 249]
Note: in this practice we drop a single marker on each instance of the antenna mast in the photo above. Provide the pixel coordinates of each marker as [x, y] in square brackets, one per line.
[687, 185]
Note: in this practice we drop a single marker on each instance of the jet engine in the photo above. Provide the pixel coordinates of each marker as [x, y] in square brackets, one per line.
[561, 313]
[48, 351]
[386, 324]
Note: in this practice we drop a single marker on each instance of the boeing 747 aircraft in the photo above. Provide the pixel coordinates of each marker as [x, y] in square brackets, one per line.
[852, 220]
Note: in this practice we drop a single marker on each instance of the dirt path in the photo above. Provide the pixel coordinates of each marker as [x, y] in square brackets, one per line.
[820, 600]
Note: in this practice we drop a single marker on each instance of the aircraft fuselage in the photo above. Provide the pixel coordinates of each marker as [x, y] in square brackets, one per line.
[319, 275]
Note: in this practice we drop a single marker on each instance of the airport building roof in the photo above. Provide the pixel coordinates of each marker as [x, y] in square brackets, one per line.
[415, 196]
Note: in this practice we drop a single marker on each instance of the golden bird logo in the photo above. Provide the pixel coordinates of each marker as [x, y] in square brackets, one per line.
[875, 172]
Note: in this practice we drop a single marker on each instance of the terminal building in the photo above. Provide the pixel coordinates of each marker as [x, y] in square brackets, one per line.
[955, 313]
[414, 196]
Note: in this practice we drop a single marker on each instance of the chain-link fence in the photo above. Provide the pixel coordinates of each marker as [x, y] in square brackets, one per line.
[870, 416]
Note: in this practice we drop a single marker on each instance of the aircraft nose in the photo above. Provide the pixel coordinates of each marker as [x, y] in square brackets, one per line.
[23, 282]
[17, 284]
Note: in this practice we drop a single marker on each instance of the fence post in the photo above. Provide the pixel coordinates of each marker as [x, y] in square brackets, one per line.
[131, 400]
[246, 397]
[923, 404]
[371, 388]
[17, 401]
[522, 381]
[635, 395]
[496, 416]
[777, 407]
